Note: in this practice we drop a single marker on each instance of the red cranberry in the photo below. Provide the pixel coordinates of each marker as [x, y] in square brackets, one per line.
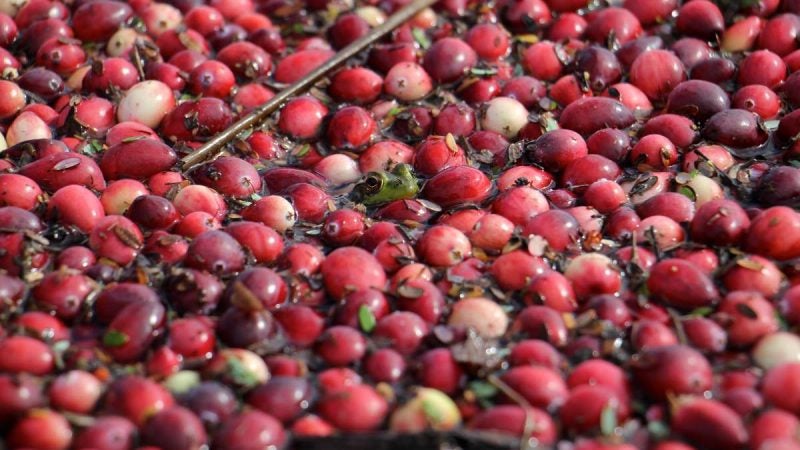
[250, 428]
[677, 369]
[41, 428]
[385, 365]
[97, 21]
[701, 20]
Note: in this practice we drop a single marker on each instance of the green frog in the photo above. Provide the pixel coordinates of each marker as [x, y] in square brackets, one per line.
[377, 188]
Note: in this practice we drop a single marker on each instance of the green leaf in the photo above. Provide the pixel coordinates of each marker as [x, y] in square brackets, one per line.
[608, 420]
[395, 111]
[302, 150]
[687, 191]
[255, 196]
[549, 123]
[134, 139]
[483, 390]
[702, 311]
[483, 71]
[94, 146]
[114, 338]
[420, 37]
[366, 319]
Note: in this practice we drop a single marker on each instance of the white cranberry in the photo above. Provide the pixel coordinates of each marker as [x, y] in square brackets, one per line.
[146, 102]
[504, 115]
[776, 349]
[483, 315]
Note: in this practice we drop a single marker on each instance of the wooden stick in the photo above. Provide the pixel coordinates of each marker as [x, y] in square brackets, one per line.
[215, 144]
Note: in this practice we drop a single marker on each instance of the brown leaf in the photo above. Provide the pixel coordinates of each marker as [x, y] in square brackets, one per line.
[244, 299]
[127, 237]
[450, 140]
[748, 263]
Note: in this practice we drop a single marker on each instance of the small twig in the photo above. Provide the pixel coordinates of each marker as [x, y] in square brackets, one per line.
[680, 332]
[213, 146]
[528, 429]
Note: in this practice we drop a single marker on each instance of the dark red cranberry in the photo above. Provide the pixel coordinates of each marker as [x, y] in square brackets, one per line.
[175, 428]
[285, 398]
[211, 401]
[448, 59]
[600, 64]
[590, 114]
[250, 428]
[735, 128]
[346, 29]
[697, 99]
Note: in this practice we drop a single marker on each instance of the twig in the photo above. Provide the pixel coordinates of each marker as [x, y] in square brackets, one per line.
[528, 429]
[213, 146]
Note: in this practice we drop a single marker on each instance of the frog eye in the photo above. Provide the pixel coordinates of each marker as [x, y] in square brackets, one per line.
[372, 184]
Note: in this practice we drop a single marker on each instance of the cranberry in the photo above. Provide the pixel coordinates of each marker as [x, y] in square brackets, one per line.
[245, 59]
[584, 407]
[403, 330]
[735, 128]
[697, 99]
[624, 25]
[542, 61]
[489, 41]
[448, 59]
[511, 419]
[702, 20]
[299, 64]
[113, 432]
[350, 128]
[587, 115]
[779, 34]
[694, 418]
[356, 85]
[284, 397]
[542, 387]
[211, 79]
[213, 402]
[27, 432]
[385, 365]
[302, 117]
[98, 21]
[250, 428]
[677, 369]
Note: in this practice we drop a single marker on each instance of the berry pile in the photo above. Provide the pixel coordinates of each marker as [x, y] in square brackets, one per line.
[570, 223]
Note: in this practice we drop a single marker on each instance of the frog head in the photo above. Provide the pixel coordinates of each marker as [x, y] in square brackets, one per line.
[376, 188]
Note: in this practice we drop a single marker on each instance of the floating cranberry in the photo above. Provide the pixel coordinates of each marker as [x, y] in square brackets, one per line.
[588, 115]
[250, 428]
[28, 431]
[448, 59]
[353, 408]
